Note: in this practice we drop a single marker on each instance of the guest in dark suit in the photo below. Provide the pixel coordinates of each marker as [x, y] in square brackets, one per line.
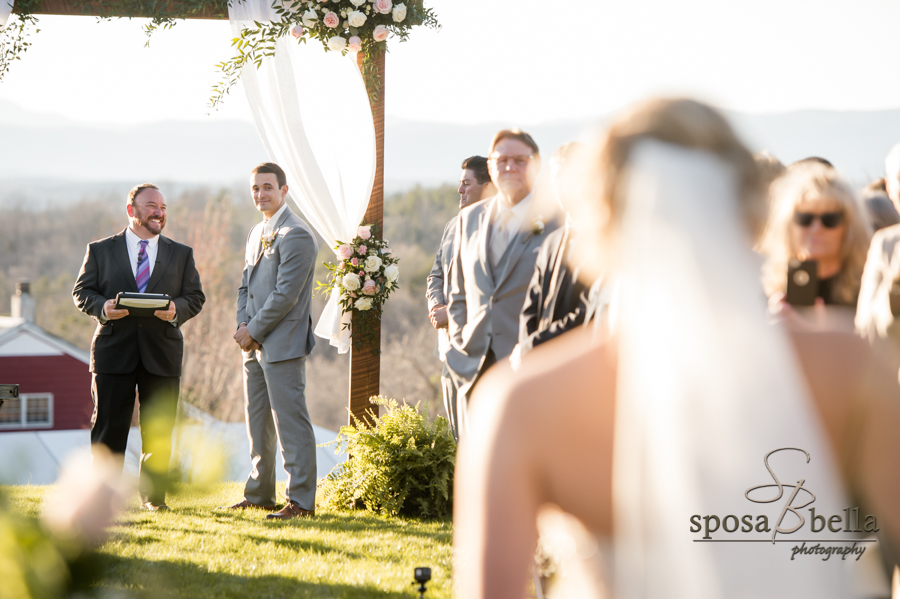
[556, 301]
[143, 352]
[474, 186]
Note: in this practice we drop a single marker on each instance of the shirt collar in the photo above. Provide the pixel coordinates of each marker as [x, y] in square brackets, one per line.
[135, 240]
[271, 222]
[520, 210]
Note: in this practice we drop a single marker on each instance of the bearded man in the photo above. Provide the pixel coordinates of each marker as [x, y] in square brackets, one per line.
[143, 352]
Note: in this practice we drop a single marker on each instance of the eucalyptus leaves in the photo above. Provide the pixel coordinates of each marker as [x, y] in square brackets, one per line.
[361, 26]
[358, 26]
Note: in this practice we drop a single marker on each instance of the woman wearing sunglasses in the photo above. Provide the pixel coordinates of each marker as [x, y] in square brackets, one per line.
[815, 216]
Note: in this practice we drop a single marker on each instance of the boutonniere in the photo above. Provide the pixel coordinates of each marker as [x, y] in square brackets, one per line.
[268, 240]
[537, 227]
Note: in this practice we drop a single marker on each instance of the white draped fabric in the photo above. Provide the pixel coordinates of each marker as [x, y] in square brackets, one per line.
[6, 7]
[706, 388]
[312, 112]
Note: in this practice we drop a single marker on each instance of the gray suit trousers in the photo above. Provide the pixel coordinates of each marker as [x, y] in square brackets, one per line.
[275, 400]
[450, 405]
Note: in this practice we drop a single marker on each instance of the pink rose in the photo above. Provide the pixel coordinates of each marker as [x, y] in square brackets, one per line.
[297, 31]
[383, 6]
[354, 262]
[344, 251]
[364, 232]
[355, 44]
[362, 250]
[331, 20]
[380, 33]
[362, 273]
[386, 250]
[368, 287]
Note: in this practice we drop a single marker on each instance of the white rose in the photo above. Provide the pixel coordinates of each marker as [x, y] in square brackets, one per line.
[309, 18]
[357, 2]
[336, 43]
[350, 281]
[373, 263]
[392, 272]
[356, 19]
[399, 13]
[363, 303]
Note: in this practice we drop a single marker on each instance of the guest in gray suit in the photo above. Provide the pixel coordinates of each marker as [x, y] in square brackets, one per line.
[275, 333]
[494, 253]
[474, 186]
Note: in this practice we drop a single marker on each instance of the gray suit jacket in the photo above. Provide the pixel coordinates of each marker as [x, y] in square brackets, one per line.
[484, 305]
[276, 291]
[438, 287]
[437, 290]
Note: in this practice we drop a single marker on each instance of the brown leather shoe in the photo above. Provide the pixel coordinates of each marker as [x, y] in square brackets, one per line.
[291, 510]
[154, 507]
[246, 504]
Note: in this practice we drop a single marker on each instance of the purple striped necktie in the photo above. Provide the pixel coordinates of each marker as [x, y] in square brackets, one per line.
[143, 268]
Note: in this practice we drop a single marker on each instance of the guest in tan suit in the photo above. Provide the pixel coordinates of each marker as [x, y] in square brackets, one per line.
[879, 294]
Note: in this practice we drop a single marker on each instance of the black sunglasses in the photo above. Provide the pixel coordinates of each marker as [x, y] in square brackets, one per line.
[829, 220]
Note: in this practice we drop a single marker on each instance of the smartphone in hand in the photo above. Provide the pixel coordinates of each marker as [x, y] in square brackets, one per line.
[802, 283]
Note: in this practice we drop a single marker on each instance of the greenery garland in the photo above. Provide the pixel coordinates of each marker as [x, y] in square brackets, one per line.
[340, 25]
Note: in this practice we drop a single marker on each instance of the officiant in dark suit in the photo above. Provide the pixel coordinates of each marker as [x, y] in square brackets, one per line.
[129, 351]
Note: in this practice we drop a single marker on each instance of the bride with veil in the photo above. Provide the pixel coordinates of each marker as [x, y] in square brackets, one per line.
[695, 419]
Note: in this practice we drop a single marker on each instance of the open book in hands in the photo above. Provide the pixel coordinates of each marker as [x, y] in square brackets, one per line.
[142, 304]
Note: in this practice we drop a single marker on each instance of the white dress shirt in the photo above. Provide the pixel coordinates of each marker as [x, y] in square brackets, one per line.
[519, 214]
[133, 242]
[263, 228]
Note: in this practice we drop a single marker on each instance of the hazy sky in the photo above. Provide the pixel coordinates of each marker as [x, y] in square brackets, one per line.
[525, 61]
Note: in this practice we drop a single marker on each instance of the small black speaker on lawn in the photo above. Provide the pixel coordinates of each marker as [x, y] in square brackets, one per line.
[423, 575]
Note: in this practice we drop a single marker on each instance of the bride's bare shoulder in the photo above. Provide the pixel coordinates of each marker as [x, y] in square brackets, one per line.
[567, 371]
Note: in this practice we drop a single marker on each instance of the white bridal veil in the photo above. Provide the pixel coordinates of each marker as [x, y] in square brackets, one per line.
[705, 390]
[312, 112]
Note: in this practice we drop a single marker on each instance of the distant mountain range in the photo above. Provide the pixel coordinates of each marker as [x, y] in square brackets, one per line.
[47, 158]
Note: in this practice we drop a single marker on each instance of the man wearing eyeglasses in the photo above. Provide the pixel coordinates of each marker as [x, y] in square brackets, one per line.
[495, 250]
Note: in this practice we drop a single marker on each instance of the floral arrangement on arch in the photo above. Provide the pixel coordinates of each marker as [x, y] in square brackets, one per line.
[365, 275]
[358, 26]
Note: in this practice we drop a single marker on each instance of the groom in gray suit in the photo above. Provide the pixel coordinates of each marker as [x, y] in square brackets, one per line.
[493, 261]
[275, 333]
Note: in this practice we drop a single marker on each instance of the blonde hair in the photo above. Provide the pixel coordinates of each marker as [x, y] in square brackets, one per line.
[811, 182]
[677, 121]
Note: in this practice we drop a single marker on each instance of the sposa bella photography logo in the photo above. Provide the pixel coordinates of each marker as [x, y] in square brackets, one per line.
[798, 515]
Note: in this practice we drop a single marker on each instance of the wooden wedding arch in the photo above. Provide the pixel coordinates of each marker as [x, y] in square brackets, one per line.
[365, 362]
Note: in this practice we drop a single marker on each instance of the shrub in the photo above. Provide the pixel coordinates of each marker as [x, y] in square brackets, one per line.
[403, 465]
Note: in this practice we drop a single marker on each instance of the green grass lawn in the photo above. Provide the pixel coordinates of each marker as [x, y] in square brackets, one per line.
[197, 551]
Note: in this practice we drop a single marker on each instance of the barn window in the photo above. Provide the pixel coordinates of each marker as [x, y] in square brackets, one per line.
[30, 410]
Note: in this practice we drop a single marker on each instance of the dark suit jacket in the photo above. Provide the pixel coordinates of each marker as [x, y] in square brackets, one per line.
[555, 302]
[118, 344]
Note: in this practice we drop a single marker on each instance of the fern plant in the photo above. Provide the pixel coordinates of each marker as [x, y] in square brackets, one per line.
[400, 466]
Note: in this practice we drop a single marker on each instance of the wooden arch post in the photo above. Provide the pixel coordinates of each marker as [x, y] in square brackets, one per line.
[365, 363]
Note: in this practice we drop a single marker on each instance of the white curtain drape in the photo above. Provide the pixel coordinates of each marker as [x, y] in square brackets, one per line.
[312, 112]
[6, 7]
